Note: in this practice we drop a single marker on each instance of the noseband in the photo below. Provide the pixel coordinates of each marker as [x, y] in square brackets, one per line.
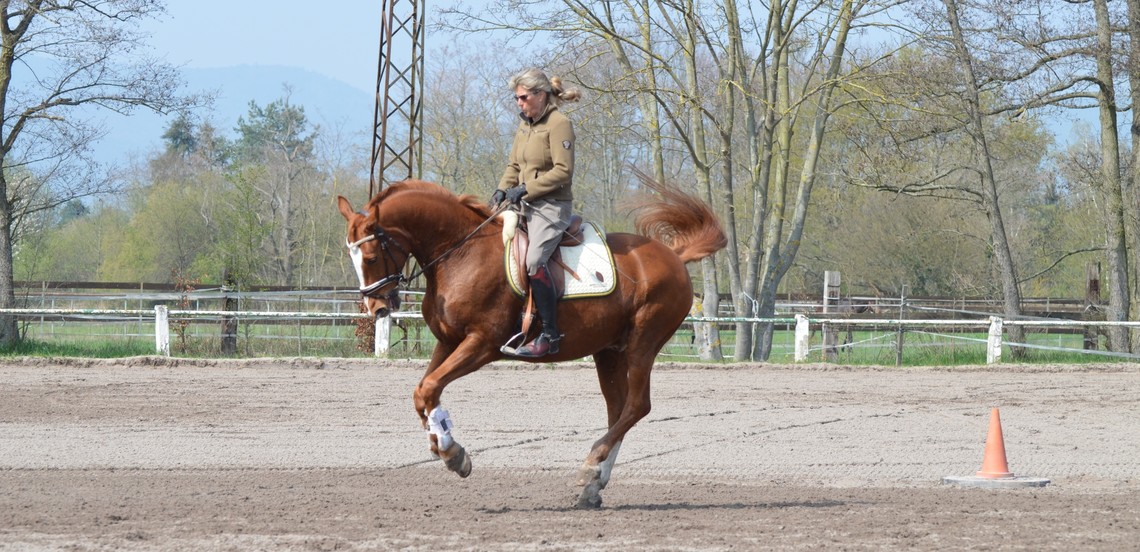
[387, 244]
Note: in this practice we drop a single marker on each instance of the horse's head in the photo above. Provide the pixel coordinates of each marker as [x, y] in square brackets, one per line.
[377, 257]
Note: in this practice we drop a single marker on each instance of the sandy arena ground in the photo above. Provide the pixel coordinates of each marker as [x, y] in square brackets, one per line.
[320, 454]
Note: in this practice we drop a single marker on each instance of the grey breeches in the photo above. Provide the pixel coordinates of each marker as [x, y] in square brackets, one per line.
[545, 221]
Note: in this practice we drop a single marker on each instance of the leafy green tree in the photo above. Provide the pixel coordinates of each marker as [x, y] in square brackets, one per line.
[72, 248]
[279, 139]
[279, 130]
[242, 231]
[167, 232]
[180, 136]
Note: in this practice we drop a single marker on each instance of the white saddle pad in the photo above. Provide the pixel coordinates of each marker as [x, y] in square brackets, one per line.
[592, 262]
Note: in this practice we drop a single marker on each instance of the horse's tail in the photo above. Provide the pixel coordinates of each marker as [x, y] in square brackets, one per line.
[681, 221]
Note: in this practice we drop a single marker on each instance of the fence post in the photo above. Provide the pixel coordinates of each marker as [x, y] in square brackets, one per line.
[162, 330]
[1092, 305]
[383, 327]
[993, 345]
[803, 338]
[900, 335]
[229, 323]
[830, 304]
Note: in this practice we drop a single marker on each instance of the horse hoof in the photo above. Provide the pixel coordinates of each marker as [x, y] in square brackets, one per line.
[590, 499]
[458, 461]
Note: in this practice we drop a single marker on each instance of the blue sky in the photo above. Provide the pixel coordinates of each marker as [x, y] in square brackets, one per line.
[338, 39]
[216, 40]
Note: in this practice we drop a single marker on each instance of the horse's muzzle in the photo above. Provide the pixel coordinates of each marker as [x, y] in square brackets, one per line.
[383, 306]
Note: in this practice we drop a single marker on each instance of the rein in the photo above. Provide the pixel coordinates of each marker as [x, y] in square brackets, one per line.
[398, 277]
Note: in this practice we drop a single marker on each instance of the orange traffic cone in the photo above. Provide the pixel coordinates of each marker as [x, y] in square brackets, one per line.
[995, 473]
[993, 463]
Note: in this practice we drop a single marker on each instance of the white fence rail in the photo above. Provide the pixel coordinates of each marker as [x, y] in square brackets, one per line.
[804, 326]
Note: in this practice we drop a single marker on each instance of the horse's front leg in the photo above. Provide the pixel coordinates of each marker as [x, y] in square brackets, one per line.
[444, 446]
[448, 364]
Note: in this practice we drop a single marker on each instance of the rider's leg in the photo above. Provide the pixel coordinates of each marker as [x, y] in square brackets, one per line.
[546, 303]
[547, 221]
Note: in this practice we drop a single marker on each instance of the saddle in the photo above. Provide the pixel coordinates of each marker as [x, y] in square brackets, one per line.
[583, 254]
[572, 236]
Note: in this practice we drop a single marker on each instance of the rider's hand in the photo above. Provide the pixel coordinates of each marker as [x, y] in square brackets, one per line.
[497, 198]
[514, 195]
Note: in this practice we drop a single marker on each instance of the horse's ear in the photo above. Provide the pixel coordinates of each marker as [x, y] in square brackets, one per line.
[345, 208]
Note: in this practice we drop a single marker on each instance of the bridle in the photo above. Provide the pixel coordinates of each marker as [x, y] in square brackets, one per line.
[387, 244]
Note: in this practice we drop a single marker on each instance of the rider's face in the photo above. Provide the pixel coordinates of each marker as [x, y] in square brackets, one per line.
[530, 102]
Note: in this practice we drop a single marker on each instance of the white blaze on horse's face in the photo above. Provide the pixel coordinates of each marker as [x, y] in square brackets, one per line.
[357, 256]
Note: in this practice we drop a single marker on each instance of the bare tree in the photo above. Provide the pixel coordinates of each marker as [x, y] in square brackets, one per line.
[57, 56]
[1009, 59]
[983, 158]
[1067, 58]
[977, 68]
[780, 245]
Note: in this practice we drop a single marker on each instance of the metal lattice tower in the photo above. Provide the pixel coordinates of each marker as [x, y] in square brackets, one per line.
[397, 138]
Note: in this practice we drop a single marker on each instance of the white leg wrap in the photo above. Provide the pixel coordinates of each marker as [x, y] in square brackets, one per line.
[439, 424]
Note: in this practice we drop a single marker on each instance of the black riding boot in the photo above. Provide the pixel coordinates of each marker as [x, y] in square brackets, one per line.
[546, 303]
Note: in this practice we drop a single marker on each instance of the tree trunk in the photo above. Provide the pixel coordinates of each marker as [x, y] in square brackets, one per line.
[229, 323]
[1113, 204]
[777, 195]
[9, 331]
[976, 128]
[780, 253]
[1131, 187]
[708, 334]
[736, 73]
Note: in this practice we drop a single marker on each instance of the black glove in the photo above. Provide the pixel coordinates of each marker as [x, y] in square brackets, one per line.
[514, 195]
[497, 198]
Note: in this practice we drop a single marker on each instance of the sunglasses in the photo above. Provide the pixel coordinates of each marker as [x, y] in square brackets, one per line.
[524, 97]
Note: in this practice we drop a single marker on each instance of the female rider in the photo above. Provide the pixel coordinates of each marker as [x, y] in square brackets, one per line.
[541, 170]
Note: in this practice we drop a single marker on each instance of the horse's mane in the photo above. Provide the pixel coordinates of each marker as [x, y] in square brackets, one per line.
[413, 185]
[681, 221]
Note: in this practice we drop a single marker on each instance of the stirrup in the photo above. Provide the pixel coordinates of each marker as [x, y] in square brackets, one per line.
[513, 344]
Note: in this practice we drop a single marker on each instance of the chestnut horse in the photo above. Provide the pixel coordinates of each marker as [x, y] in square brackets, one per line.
[470, 308]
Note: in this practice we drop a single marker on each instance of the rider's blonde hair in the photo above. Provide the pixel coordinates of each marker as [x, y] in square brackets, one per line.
[535, 79]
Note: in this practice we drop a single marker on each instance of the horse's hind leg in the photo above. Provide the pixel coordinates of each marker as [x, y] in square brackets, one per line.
[626, 390]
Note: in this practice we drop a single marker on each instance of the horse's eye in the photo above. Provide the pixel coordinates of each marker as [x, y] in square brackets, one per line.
[371, 259]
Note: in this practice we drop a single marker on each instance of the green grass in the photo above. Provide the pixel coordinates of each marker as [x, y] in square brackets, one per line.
[197, 340]
[88, 349]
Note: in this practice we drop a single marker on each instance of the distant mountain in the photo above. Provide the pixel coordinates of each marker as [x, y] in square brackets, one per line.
[329, 103]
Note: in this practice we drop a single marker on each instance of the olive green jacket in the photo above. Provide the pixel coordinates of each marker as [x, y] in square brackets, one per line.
[542, 157]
